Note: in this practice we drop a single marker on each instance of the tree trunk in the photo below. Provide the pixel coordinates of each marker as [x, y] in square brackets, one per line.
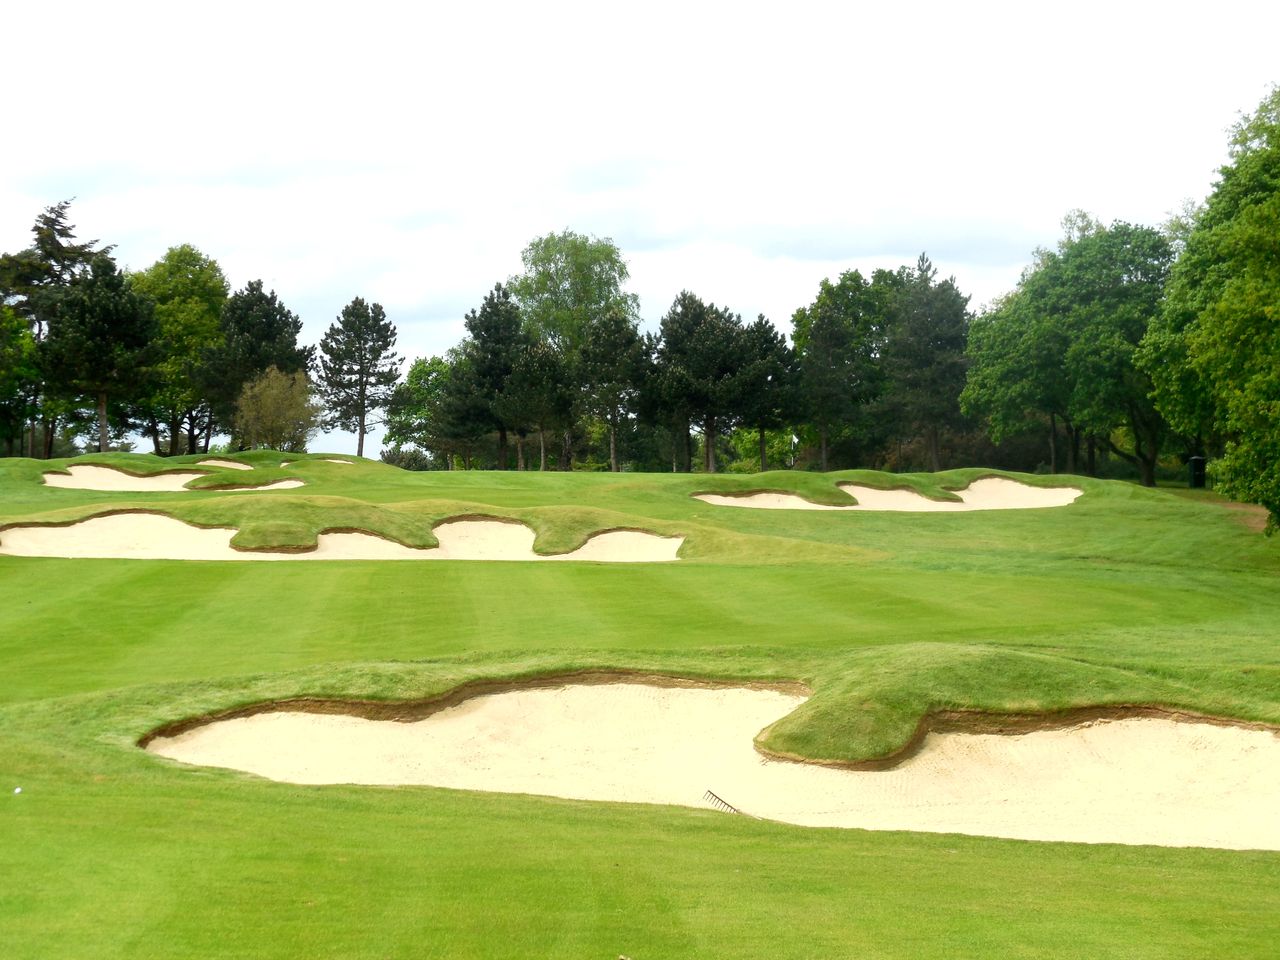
[542, 449]
[931, 443]
[360, 439]
[709, 442]
[688, 447]
[822, 448]
[502, 448]
[152, 432]
[764, 456]
[102, 421]
[1091, 449]
[566, 449]
[50, 423]
[519, 452]
[613, 448]
[1053, 443]
[1147, 470]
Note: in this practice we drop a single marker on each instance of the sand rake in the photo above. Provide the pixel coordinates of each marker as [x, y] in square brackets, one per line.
[721, 804]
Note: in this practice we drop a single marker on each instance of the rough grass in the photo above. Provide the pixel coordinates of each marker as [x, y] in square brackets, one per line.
[1128, 596]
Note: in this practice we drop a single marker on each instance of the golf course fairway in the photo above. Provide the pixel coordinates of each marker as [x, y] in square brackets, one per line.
[890, 626]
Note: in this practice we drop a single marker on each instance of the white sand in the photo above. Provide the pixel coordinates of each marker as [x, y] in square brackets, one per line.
[89, 477]
[767, 501]
[992, 493]
[290, 484]
[151, 536]
[228, 464]
[1150, 781]
[86, 476]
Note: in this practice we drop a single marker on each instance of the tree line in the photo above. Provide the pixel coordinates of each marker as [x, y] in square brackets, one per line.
[1126, 347]
[88, 350]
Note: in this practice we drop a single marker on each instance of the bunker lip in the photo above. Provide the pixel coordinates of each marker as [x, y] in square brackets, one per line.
[112, 512]
[287, 483]
[184, 471]
[767, 492]
[1011, 725]
[1146, 779]
[934, 721]
[952, 501]
[409, 711]
[475, 542]
[225, 464]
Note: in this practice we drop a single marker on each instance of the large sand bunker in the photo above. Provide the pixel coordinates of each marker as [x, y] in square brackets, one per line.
[85, 476]
[1142, 780]
[153, 536]
[228, 464]
[991, 493]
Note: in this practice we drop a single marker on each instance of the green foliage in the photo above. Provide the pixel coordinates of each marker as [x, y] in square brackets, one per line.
[569, 281]
[408, 458]
[413, 412]
[614, 363]
[838, 339]
[1064, 344]
[18, 374]
[101, 340]
[257, 331]
[276, 411]
[698, 362]
[1215, 354]
[189, 291]
[358, 366]
[924, 354]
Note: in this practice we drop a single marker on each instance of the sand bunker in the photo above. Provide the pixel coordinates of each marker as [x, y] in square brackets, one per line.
[85, 476]
[89, 477]
[153, 536]
[1152, 781]
[228, 464]
[992, 493]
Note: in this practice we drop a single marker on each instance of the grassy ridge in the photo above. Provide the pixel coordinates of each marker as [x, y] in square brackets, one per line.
[1127, 596]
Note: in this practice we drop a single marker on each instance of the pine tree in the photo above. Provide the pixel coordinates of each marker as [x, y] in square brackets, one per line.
[358, 368]
[101, 340]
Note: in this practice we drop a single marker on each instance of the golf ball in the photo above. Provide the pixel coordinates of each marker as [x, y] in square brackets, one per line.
[17, 789]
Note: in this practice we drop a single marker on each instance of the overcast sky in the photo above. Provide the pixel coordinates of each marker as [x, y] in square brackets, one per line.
[742, 151]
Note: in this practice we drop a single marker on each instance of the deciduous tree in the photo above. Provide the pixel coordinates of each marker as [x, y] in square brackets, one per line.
[189, 291]
[1214, 356]
[276, 410]
[838, 339]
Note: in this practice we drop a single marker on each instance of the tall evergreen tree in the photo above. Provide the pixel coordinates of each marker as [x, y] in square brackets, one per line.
[699, 360]
[613, 361]
[924, 358]
[358, 366]
[101, 340]
[766, 381]
[33, 283]
[257, 331]
[496, 338]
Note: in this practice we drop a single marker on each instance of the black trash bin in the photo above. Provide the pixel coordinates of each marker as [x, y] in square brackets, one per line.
[1195, 466]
